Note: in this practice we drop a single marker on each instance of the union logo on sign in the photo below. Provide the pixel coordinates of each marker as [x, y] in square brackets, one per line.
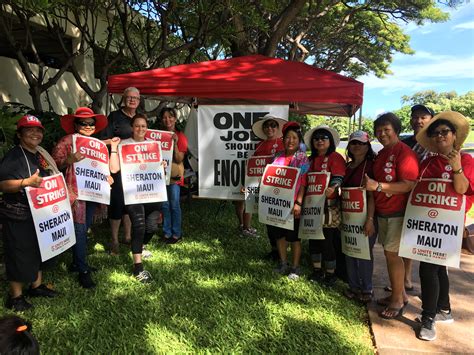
[55, 209]
[142, 166]
[94, 164]
[432, 213]
[276, 191]
[413, 251]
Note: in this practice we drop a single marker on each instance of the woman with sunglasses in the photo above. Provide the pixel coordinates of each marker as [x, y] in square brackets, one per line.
[443, 136]
[269, 130]
[360, 162]
[395, 173]
[323, 141]
[83, 122]
[294, 155]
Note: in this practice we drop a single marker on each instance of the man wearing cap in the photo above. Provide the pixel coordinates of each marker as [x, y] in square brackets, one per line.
[420, 116]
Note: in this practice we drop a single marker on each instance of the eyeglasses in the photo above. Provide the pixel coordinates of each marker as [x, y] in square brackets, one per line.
[270, 125]
[132, 98]
[357, 143]
[441, 132]
[320, 138]
[85, 124]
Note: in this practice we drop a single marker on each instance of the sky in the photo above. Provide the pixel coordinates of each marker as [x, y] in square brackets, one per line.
[443, 61]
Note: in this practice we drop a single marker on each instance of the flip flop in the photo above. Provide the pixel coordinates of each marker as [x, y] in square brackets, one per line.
[385, 302]
[396, 312]
[389, 288]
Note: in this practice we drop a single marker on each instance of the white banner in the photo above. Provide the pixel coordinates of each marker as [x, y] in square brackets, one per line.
[312, 213]
[166, 140]
[226, 141]
[277, 193]
[253, 175]
[52, 216]
[92, 171]
[354, 214]
[434, 223]
[143, 176]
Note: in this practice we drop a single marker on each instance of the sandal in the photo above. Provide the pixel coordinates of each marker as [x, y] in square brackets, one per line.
[365, 297]
[408, 289]
[395, 312]
[351, 294]
[386, 301]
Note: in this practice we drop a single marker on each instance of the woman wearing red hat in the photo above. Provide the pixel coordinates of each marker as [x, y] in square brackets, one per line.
[294, 155]
[24, 165]
[83, 122]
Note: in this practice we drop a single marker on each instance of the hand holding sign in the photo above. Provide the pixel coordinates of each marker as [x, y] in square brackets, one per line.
[34, 180]
[330, 190]
[74, 157]
[369, 184]
[114, 142]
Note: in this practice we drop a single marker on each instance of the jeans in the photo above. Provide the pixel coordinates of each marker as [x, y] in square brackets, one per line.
[434, 289]
[359, 271]
[79, 250]
[172, 212]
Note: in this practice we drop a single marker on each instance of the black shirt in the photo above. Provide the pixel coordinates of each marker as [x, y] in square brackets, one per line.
[118, 126]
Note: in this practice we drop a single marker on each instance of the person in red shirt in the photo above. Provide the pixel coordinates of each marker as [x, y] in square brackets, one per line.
[171, 209]
[395, 172]
[323, 141]
[444, 136]
[269, 129]
[360, 162]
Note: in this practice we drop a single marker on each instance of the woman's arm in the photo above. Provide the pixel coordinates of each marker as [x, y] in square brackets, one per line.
[395, 188]
[460, 181]
[369, 226]
[114, 162]
[15, 185]
[299, 202]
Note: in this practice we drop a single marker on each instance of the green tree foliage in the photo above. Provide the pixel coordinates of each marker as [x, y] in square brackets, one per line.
[438, 102]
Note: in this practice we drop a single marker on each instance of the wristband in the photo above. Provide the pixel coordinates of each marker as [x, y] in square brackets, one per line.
[298, 203]
[370, 218]
[113, 151]
[21, 183]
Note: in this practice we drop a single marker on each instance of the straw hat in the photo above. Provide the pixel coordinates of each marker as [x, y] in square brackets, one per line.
[456, 119]
[257, 127]
[67, 121]
[331, 131]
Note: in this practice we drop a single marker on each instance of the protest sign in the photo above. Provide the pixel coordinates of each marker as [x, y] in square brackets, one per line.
[92, 171]
[277, 192]
[253, 175]
[52, 216]
[312, 213]
[143, 176]
[354, 214]
[434, 223]
[226, 141]
[166, 140]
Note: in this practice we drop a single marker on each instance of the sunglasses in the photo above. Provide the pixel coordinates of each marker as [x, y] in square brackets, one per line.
[85, 124]
[357, 143]
[320, 138]
[441, 132]
[270, 125]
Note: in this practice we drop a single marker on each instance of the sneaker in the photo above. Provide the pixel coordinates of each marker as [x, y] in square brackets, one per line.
[250, 232]
[18, 304]
[282, 268]
[294, 274]
[428, 329]
[144, 277]
[42, 291]
[146, 254]
[330, 279]
[85, 280]
[444, 317]
[173, 240]
[317, 276]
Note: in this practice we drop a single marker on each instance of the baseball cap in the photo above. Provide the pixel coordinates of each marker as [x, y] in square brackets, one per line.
[29, 121]
[422, 108]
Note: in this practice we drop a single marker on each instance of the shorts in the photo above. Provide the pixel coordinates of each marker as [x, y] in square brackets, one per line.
[290, 236]
[117, 202]
[390, 232]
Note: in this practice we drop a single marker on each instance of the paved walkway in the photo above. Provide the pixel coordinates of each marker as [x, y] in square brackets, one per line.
[399, 336]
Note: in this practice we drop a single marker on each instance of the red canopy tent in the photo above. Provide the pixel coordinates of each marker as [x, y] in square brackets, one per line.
[252, 79]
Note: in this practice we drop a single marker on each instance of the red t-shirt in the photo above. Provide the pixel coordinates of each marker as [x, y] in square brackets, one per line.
[354, 177]
[438, 167]
[269, 147]
[391, 165]
[182, 145]
[333, 163]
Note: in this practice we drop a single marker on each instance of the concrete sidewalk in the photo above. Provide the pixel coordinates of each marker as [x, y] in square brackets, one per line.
[398, 336]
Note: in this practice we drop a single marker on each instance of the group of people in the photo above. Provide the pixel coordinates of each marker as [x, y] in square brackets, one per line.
[387, 179]
[27, 163]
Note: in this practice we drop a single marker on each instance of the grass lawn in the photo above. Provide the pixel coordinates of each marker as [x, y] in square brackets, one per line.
[211, 293]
